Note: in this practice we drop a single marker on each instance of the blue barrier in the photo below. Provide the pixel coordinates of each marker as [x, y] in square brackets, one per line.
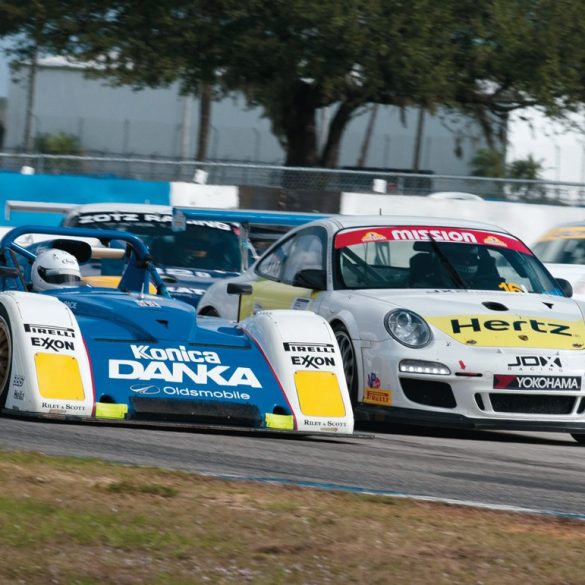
[74, 189]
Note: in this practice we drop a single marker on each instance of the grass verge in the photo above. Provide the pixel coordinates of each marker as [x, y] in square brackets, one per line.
[85, 522]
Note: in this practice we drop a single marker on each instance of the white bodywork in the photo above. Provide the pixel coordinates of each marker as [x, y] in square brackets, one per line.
[537, 339]
[32, 318]
[303, 344]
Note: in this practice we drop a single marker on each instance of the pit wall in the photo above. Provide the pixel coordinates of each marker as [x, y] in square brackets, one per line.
[528, 221]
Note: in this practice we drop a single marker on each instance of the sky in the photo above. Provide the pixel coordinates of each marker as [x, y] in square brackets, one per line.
[561, 151]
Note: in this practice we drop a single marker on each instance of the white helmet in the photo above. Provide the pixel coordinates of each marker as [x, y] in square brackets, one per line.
[55, 269]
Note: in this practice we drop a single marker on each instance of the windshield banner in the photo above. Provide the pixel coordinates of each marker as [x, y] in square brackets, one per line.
[418, 233]
[113, 219]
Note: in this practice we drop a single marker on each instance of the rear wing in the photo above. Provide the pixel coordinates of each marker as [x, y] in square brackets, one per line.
[36, 207]
[262, 228]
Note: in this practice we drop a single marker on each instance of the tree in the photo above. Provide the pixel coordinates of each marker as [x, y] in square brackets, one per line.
[296, 57]
[529, 169]
[290, 57]
[488, 162]
[516, 54]
[59, 144]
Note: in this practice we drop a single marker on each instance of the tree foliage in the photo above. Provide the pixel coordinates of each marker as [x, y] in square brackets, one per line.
[59, 143]
[295, 57]
[488, 162]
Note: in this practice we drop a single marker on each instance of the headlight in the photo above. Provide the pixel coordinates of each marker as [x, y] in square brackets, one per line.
[408, 328]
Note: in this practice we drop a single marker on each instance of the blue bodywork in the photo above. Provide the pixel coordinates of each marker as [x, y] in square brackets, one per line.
[151, 352]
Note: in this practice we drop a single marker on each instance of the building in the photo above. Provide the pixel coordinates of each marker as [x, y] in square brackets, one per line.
[122, 122]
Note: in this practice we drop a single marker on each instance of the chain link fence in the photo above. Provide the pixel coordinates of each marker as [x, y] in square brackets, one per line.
[296, 179]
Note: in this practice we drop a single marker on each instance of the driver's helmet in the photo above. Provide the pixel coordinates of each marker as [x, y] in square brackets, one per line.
[463, 257]
[54, 269]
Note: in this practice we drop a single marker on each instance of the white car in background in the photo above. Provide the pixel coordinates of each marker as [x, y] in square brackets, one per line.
[426, 337]
[562, 249]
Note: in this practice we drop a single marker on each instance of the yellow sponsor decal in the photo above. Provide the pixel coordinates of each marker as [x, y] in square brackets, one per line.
[319, 394]
[59, 376]
[377, 396]
[512, 331]
[564, 233]
[283, 422]
[372, 237]
[108, 410]
[492, 240]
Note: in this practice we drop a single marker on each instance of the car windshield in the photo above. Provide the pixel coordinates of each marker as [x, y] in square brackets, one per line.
[564, 245]
[418, 257]
[209, 245]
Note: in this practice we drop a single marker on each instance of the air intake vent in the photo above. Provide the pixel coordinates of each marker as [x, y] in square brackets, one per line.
[494, 306]
[428, 392]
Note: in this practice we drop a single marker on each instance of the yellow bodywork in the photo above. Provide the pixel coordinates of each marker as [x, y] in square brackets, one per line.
[110, 282]
[512, 331]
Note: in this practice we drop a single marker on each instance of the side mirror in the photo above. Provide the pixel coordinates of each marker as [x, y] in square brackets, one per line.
[565, 286]
[239, 288]
[313, 278]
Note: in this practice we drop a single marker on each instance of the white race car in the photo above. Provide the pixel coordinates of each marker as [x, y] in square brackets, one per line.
[439, 321]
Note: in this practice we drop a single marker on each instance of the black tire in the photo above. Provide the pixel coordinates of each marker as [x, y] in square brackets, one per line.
[349, 360]
[5, 355]
[580, 438]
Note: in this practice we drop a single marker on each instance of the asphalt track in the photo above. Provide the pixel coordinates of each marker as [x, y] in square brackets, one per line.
[528, 470]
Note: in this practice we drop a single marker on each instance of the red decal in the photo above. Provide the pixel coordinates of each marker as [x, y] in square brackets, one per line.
[422, 233]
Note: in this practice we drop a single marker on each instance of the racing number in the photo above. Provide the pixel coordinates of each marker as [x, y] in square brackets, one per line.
[511, 287]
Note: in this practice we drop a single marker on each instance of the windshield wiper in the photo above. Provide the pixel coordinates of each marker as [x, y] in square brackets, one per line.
[455, 276]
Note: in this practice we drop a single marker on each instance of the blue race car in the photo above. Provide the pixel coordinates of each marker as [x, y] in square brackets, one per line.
[211, 245]
[86, 353]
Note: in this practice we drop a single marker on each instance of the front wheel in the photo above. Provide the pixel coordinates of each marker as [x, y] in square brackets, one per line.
[349, 360]
[5, 355]
[579, 438]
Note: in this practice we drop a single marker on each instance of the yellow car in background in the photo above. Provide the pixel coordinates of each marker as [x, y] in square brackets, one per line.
[562, 250]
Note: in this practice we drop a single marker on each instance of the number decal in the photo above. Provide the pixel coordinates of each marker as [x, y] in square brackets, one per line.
[511, 287]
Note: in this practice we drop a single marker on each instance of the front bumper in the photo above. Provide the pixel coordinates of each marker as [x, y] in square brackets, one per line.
[448, 420]
[487, 388]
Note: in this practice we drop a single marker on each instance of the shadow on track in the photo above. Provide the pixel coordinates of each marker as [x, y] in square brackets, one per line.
[387, 428]
[204, 429]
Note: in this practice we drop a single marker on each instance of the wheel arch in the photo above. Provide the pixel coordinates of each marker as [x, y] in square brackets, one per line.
[349, 323]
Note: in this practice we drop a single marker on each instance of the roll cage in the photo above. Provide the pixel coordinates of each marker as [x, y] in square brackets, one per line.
[139, 272]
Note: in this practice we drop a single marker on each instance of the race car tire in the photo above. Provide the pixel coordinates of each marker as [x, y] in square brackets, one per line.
[349, 360]
[580, 438]
[5, 355]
